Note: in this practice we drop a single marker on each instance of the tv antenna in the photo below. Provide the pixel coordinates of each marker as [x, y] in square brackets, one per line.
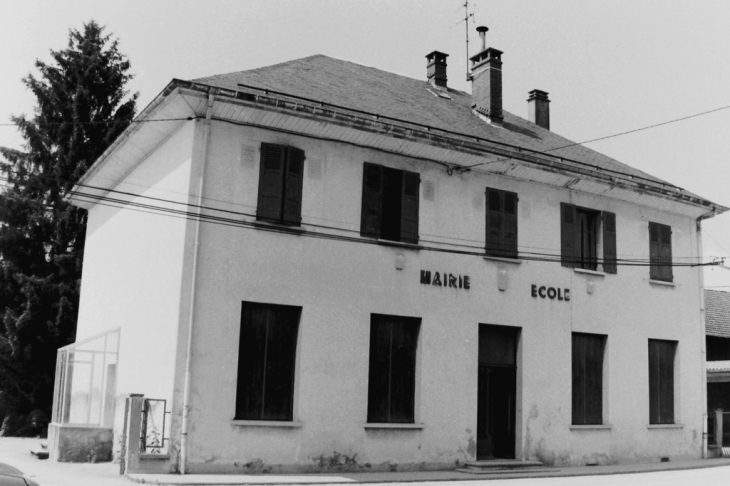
[466, 18]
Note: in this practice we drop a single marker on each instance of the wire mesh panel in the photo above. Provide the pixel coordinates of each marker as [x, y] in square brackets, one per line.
[154, 417]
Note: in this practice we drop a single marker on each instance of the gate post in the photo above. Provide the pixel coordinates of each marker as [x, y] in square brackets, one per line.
[132, 431]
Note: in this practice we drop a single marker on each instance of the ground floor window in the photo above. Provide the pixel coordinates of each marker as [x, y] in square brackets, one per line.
[661, 381]
[392, 373]
[587, 399]
[266, 357]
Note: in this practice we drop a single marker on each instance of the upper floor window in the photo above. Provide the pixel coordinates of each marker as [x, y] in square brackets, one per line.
[660, 252]
[390, 200]
[501, 239]
[280, 184]
[582, 232]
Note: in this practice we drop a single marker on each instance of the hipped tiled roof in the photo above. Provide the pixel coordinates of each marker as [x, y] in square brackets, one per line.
[717, 313]
[372, 90]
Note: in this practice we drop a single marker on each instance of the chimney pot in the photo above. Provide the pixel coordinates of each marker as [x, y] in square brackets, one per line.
[486, 81]
[538, 106]
[436, 69]
[483, 35]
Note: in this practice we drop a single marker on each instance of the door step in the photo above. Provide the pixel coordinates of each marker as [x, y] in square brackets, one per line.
[502, 466]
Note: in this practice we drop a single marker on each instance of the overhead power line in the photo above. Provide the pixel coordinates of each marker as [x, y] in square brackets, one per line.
[610, 136]
[228, 220]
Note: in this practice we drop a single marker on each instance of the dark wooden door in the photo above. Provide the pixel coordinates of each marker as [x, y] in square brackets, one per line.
[496, 392]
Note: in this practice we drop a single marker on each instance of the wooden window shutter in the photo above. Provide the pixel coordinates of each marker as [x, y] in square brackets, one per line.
[293, 186]
[665, 249]
[409, 207]
[271, 182]
[509, 241]
[372, 200]
[609, 242]
[493, 245]
[587, 392]
[661, 381]
[568, 235]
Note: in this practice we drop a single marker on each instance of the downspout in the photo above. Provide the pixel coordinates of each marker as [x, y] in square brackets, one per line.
[703, 345]
[196, 245]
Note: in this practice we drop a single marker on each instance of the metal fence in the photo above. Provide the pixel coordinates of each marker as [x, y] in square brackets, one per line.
[712, 435]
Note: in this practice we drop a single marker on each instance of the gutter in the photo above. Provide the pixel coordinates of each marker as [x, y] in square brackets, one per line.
[191, 316]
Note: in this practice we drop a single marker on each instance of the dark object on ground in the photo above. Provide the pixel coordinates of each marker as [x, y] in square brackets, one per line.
[41, 451]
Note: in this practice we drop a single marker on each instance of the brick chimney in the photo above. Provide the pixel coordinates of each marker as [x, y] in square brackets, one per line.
[436, 69]
[538, 106]
[486, 81]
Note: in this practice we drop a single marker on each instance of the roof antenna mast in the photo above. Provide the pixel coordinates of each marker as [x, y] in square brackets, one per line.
[466, 26]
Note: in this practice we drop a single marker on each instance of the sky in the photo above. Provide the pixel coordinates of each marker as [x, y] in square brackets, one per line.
[610, 66]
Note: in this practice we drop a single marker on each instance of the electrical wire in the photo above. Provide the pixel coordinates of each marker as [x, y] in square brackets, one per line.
[228, 221]
[551, 253]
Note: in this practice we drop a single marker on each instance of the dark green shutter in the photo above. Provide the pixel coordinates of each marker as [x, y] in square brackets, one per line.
[509, 242]
[587, 389]
[293, 186]
[661, 381]
[372, 200]
[665, 249]
[568, 235]
[271, 182]
[409, 207]
[609, 242]
[654, 252]
[493, 245]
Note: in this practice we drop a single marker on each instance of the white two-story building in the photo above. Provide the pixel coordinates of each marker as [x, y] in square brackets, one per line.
[324, 266]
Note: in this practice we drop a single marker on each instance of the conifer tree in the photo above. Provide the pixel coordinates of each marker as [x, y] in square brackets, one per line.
[81, 107]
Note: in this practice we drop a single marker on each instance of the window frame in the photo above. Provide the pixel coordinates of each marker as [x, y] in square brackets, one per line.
[573, 246]
[660, 252]
[501, 223]
[381, 401]
[390, 203]
[281, 180]
[254, 362]
[588, 377]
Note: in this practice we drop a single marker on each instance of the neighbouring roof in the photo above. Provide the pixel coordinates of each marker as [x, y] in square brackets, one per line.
[355, 86]
[717, 313]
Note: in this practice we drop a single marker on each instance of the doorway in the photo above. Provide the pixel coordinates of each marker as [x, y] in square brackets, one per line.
[496, 392]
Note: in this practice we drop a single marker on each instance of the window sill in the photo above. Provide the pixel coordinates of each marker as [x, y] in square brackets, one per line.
[514, 261]
[590, 272]
[592, 427]
[393, 426]
[398, 244]
[662, 283]
[154, 457]
[287, 228]
[665, 426]
[266, 423]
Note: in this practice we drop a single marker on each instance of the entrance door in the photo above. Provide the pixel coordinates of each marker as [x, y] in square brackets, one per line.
[496, 392]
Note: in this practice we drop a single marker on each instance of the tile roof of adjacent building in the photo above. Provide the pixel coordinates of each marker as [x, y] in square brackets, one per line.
[717, 313]
[373, 90]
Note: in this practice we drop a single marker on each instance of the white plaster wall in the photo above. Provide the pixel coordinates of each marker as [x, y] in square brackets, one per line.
[132, 271]
[339, 284]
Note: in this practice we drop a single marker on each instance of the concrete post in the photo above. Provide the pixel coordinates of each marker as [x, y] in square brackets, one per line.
[132, 432]
[718, 427]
